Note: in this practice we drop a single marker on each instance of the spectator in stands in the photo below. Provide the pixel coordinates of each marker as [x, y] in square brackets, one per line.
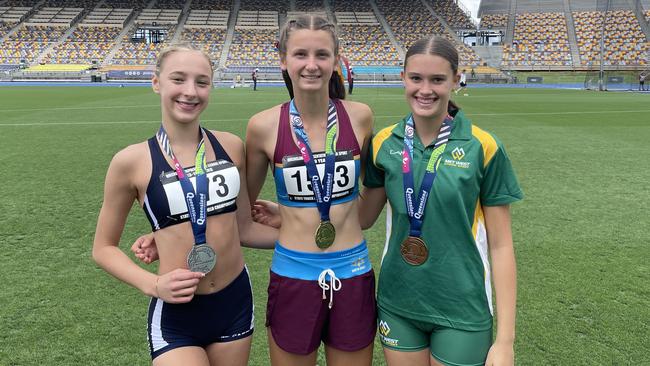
[351, 81]
[201, 312]
[435, 286]
[254, 77]
[473, 73]
[642, 81]
[321, 283]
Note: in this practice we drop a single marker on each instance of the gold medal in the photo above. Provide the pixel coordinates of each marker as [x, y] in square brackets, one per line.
[414, 250]
[325, 235]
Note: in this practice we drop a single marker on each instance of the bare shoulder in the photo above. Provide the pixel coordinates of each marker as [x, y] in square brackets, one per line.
[232, 143]
[264, 120]
[131, 156]
[360, 113]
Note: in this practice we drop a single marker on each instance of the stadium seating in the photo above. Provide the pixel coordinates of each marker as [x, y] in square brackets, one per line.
[263, 5]
[410, 21]
[253, 47]
[309, 5]
[367, 45]
[624, 41]
[85, 45]
[27, 43]
[351, 6]
[539, 39]
[453, 14]
[210, 40]
[33, 30]
[494, 21]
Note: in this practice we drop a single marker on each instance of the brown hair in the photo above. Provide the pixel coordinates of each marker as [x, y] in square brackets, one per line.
[178, 47]
[311, 22]
[437, 46]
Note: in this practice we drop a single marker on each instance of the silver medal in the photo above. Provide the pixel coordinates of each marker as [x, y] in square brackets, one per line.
[201, 258]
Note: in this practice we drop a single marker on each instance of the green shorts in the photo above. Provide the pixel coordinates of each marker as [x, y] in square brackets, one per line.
[453, 347]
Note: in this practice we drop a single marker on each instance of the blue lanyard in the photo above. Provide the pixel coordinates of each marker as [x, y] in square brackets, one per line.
[322, 192]
[196, 200]
[416, 213]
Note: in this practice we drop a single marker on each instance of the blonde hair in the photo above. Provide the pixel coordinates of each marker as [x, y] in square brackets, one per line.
[179, 47]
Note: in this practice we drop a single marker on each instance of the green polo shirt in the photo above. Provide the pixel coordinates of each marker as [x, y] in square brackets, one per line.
[452, 287]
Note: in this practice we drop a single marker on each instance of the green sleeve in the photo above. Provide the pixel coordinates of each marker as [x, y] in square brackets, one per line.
[500, 185]
[374, 175]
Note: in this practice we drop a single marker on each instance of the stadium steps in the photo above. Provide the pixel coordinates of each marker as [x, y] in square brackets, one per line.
[118, 40]
[20, 24]
[492, 55]
[229, 34]
[640, 17]
[510, 30]
[185, 13]
[571, 33]
[63, 37]
[446, 26]
[387, 29]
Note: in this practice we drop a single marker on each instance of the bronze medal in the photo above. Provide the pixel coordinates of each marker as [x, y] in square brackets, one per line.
[414, 250]
[325, 235]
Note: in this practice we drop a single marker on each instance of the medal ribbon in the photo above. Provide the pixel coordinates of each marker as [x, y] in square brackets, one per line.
[196, 200]
[322, 192]
[416, 213]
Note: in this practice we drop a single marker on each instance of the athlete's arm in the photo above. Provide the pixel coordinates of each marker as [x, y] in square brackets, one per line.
[119, 194]
[257, 160]
[251, 234]
[371, 202]
[504, 275]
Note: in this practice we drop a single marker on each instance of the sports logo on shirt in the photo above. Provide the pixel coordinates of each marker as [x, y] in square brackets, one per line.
[458, 154]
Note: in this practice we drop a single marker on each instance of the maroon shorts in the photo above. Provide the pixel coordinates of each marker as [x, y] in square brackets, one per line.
[299, 318]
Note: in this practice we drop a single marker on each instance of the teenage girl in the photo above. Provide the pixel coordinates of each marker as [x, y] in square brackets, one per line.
[322, 286]
[187, 180]
[449, 239]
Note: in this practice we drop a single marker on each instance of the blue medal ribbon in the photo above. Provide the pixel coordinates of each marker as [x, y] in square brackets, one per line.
[196, 200]
[416, 213]
[322, 192]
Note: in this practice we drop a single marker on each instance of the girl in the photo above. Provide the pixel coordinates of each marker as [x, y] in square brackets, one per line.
[449, 191]
[199, 215]
[321, 282]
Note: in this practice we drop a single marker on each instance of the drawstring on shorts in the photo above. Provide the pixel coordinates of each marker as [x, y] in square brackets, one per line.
[334, 285]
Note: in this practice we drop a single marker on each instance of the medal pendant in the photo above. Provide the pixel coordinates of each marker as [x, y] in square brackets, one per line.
[201, 258]
[414, 250]
[325, 235]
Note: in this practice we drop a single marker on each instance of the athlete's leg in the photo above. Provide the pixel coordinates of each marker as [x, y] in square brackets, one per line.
[362, 357]
[183, 356]
[280, 357]
[460, 347]
[235, 353]
[414, 358]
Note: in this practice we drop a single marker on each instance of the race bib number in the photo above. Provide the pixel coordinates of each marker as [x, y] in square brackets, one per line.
[298, 184]
[223, 187]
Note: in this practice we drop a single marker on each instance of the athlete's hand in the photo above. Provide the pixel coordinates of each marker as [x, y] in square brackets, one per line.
[178, 286]
[144, 248]
[267, 213]
[501, 354]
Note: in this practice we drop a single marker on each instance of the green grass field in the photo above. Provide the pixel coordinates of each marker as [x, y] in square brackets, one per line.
[582, 233]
